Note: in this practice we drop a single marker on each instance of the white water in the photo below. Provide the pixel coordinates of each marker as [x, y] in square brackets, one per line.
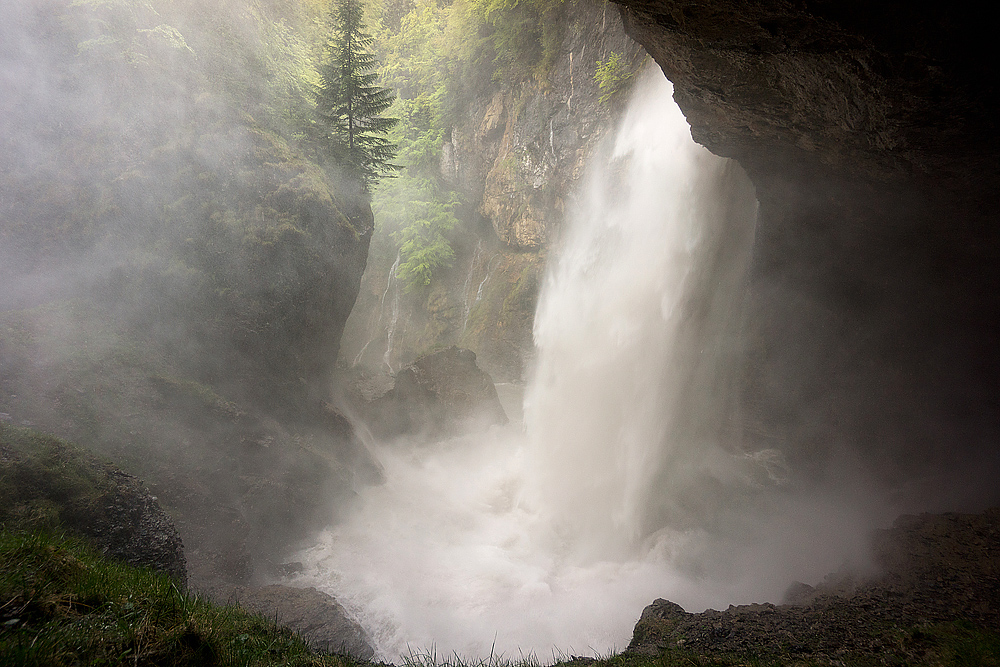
[390, 334]
[549, 540]
[375, 320]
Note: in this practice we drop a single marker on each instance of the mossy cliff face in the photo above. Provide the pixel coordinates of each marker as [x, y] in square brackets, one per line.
[265, 265]
[524, 146]
[871, 136]
[178, 264]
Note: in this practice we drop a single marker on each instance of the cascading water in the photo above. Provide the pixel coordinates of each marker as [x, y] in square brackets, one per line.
[375, 321]
[550, 540]
[390, 334]
[473, 265]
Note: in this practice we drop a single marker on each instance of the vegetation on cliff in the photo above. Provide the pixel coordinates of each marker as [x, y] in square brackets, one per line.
[439, 57]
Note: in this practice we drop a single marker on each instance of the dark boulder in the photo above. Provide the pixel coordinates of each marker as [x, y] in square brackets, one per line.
[318, 617]
[938, 576]
[440, 394]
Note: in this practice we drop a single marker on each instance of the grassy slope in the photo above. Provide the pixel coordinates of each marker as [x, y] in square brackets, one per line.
[62, 604]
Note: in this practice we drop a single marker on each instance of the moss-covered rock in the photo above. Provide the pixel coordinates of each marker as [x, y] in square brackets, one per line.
[47, 483]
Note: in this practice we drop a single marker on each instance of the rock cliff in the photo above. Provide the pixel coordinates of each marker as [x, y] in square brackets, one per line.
[523, 147]
[516, 154]
[871, 136]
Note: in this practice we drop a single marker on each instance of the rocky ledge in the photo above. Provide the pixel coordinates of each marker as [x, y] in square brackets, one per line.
[938, 575]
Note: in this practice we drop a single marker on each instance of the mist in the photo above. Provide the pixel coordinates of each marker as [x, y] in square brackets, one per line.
[623, 483]
[179, 259]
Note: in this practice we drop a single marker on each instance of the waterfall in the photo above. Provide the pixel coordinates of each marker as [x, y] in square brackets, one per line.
[473, 264]
[626, 483]
[375, 321]
[393, 314]
[636, 296]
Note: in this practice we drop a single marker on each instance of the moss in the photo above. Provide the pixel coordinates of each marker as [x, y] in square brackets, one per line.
[523, 295]
[189, 391]
[46, 482]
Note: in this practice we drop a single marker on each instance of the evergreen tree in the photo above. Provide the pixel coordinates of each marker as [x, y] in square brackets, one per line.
[349, 104]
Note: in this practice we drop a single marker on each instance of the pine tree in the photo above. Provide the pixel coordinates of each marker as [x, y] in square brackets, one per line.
[349, 104]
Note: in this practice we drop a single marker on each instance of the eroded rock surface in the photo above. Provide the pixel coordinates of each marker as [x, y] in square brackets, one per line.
[524, 147]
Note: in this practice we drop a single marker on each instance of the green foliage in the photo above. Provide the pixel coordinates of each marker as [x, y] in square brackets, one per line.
[349, 104]
[423, 246]
[416, 210]
[614, 76]
[63, 604]
[523, 35]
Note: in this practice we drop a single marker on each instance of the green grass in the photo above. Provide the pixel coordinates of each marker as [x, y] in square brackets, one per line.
[54, 485]
[63, 604]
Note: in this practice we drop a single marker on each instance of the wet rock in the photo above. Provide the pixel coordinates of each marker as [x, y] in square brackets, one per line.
[522, 149]
[933, 569]
[318, 617]
[443, 393]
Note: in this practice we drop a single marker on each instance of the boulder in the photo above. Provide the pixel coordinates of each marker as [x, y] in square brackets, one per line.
[938, 575]
[440, 394]
[50, 484]
[318, 617]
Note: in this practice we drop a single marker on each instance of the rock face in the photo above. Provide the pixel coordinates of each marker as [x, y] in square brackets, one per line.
[525, 146]
[517, 155]
[871, 136]
[319, 618]
[885, 91]
[442, 393]
[48, 483]
[934, 569]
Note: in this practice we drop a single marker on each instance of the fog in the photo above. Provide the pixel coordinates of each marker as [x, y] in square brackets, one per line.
[178, 261]
[621, 485]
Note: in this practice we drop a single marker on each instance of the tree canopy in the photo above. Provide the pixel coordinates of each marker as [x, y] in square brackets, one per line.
[349, 104]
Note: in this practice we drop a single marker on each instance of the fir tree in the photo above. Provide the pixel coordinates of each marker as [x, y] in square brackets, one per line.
[349, 104]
